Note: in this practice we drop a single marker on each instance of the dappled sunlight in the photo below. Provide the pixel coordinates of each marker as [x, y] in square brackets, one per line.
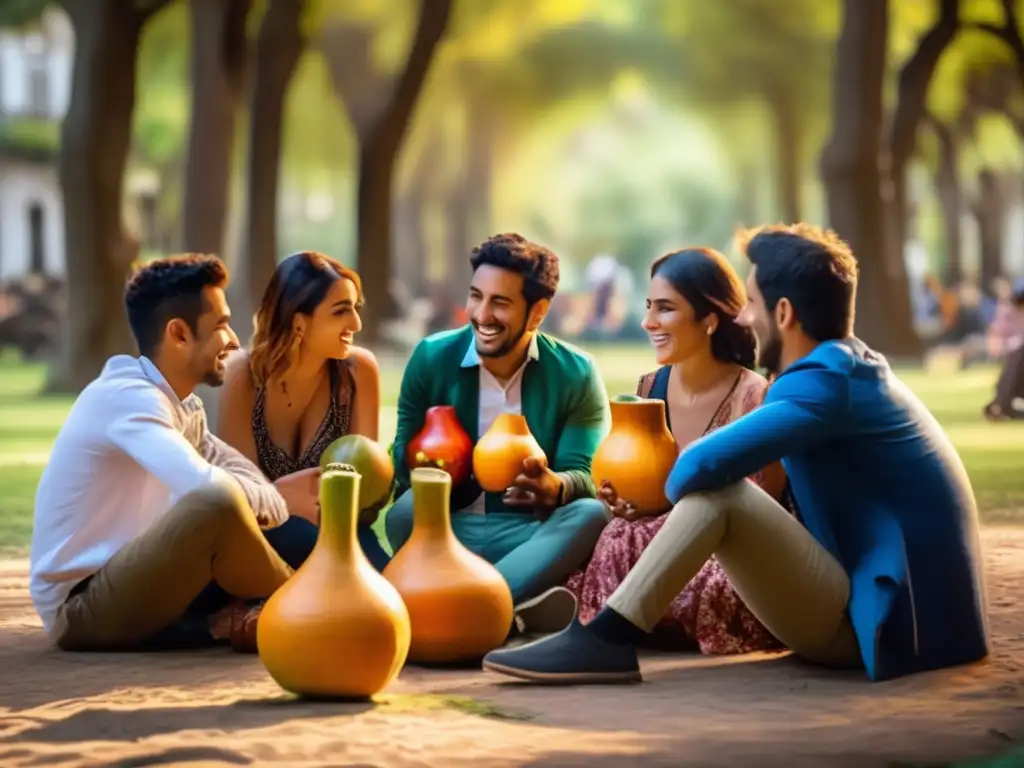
[395, 136]
[87, 709]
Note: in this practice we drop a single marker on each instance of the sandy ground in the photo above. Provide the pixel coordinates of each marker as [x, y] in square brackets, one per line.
[218, 708]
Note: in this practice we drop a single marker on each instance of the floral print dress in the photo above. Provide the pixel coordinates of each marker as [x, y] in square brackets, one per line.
[707, 614]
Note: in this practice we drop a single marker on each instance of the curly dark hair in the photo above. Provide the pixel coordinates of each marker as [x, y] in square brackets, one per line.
[538, 265]
[169, 288]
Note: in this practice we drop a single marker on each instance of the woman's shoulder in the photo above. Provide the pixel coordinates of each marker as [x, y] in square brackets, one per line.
[750, 390]
[361, 367]
[361, 357]
[238, 372]
[645, 384]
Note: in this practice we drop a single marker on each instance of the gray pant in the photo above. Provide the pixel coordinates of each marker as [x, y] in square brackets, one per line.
[531, 554]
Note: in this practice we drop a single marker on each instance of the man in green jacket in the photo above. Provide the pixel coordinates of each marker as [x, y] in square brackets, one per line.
[545, 526]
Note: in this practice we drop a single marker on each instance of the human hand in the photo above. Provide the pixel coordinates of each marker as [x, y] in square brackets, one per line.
[619, 507]
[368, 516]
[535, 486]
[301, 492]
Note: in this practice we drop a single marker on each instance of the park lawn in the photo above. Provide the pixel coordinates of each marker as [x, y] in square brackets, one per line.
[992, 453]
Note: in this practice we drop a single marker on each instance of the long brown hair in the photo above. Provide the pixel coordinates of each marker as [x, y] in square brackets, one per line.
[298, 285]
[707, 280]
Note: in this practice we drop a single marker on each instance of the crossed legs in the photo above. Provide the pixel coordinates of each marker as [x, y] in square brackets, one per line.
[791, 583]
[210, 535]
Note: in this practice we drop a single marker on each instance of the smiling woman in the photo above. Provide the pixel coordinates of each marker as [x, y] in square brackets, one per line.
[302, 383]
[706, 381]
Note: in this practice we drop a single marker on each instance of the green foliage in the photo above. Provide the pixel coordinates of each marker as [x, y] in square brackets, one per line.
[31, 139]
[637, 182]
[21, 13]
[162, 102]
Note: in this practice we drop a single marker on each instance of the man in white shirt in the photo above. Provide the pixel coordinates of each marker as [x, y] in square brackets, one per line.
[146, 524]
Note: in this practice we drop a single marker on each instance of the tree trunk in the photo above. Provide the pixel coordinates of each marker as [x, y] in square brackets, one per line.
[95, 139]
[218, 63]
[950, 194]
[457, 210]
[989, 210]
[850, 171]
[410, 246]
[278, 49]
[481, 128]
[786, 120]
[912, 93]
[378, 153]
[747, 203]
[411, 249]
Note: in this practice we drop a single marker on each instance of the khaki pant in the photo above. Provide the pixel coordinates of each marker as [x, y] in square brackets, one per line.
[797, 589]
[210, 535]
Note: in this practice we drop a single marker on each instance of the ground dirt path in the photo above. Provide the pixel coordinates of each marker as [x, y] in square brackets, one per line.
[219, 708]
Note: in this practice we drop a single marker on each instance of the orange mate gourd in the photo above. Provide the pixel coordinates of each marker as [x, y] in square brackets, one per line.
[460, 606]
[499, 454]
[638, 452]
[336, 628]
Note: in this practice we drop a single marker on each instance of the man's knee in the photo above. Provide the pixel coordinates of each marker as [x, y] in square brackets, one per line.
[721, 500]
[217, 503]
[588, 516]
[398, 521]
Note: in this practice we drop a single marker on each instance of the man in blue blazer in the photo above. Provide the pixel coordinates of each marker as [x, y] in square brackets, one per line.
[884, 572]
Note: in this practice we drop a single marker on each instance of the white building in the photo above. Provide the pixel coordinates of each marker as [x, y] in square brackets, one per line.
[35, 86]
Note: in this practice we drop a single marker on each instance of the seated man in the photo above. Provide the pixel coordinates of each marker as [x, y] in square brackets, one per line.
[145, 523]
[887, 573]
[545, 527]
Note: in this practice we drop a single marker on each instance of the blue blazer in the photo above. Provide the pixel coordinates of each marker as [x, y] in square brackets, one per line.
[880, 486]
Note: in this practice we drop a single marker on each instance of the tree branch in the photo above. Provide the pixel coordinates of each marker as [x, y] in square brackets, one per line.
[433, 21]
[146, 9]
[991, 29]
[1009, 33]
[364, 91]
[914, 78]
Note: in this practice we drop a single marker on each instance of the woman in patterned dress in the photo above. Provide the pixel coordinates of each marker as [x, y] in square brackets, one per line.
[706, 381]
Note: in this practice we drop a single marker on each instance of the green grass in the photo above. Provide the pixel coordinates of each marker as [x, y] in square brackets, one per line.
[28, 424]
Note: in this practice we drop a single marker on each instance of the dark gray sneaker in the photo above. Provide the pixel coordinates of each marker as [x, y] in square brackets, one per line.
[574, 656]
[551, 611]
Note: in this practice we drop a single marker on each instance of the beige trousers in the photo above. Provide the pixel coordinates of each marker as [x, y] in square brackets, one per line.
[211, 534]
[797, 589]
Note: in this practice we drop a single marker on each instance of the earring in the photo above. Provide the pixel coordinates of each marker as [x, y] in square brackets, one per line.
[711, 331]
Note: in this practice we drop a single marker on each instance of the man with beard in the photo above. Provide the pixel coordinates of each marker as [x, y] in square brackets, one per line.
[146, 525]
[886, 576]
[545, 526]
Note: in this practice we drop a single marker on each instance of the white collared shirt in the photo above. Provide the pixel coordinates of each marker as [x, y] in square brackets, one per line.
[496, 398]
[128, 450]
